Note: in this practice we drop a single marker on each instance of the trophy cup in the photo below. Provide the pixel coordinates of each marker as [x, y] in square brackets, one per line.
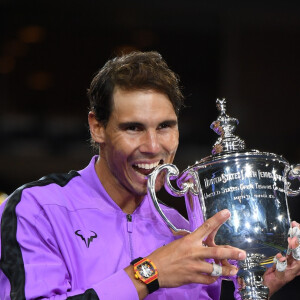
[253, 186]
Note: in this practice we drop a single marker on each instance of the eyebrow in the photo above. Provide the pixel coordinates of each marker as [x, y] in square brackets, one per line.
[170, 122]
[124, 125]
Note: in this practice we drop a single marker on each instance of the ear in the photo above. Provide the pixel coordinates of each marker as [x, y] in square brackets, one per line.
[97, 129]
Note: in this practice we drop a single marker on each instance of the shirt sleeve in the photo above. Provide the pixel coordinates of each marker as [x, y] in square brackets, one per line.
[117, 286]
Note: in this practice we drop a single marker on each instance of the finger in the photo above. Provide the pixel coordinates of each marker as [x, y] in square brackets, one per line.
[225, 262]
[212, 224]
[204, 279]
[295, 224]
[226, 270]
[210, 240]
[280, 263]
[293, 242]
[280, 257]
[223, 253]
[227, 246]
[208, 268]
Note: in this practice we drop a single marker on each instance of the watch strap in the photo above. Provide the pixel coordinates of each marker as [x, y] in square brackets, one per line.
[136, 260]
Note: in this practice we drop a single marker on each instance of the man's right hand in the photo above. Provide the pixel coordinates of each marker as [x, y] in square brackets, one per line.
[184, 261]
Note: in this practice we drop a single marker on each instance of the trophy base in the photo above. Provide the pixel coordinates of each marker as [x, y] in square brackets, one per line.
[254, 293]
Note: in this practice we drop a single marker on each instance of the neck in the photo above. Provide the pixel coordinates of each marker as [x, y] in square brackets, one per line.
[119, 194]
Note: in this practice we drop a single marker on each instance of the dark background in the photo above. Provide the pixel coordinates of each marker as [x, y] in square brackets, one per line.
[245, 51]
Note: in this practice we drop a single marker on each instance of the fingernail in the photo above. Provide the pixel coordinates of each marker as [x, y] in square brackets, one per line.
[242, 255]
[225, 212]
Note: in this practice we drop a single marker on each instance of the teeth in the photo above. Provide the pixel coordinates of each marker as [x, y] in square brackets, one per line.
[147, 166]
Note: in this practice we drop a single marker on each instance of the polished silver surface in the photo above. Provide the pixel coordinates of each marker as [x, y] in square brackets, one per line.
[293, 174]
[253, 185]
[171, 173]
[295, 232]
[225, 126]
[296, 253]
[250, 278]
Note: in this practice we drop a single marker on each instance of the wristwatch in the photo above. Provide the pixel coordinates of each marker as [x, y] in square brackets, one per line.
[145, 271]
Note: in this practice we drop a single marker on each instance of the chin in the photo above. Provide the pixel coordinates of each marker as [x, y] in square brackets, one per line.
[142, 191]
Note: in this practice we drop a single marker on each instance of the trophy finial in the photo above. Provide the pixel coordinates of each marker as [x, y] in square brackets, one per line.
[221, 105]
[225, 126]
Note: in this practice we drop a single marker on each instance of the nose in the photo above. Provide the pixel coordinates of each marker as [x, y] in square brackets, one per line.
[150, 143]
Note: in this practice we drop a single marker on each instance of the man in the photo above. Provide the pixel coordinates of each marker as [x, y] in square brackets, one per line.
[86, 234]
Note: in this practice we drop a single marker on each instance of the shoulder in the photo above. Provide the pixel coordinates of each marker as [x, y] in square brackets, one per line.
[27, 204]
[33, 195]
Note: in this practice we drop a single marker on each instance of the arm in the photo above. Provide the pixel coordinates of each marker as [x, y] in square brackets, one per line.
[39, 258]
[33, 267]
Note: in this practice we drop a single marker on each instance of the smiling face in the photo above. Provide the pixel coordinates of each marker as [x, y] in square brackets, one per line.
[142, 132]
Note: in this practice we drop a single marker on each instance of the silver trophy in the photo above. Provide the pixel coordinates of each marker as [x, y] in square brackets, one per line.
[253, 185]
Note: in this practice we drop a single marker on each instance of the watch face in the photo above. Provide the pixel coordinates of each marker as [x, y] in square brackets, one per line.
[145, 269]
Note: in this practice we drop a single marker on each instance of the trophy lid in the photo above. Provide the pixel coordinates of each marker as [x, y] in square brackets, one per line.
[225, 126]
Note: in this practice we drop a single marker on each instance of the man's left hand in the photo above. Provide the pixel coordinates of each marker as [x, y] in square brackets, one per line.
[275, 279]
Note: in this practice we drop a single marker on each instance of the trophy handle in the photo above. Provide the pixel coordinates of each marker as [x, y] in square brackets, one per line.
[294, 173]
[172, 173]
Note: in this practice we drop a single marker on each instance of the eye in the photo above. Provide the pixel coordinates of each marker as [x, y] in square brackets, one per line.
[167, 124]
[164, 125]
[133, 128]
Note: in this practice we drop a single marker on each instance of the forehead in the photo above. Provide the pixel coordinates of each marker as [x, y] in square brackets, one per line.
[141, 104]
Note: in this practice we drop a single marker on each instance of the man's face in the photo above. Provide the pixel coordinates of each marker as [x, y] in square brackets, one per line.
[142, 132]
